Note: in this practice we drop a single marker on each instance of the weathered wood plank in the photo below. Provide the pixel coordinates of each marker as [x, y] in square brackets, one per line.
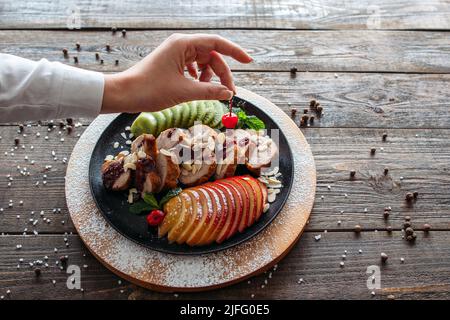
[273, 50]
[284, 14]
[357, 99]
[424, 273]
[418, 160]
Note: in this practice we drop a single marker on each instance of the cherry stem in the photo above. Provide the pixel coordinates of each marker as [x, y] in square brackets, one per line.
[231, 105]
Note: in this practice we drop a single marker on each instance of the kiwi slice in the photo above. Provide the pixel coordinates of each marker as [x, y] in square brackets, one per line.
[144, 123]
[176, 112]
[160, 120]
[210, 112]
[201, 111]
[185, 115]
[193, 115]
[169, 118]
[219, 112]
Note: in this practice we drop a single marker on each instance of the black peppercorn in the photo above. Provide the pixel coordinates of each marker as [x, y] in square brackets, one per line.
[16, 141]
[65, 52]
[63, 259]
[21, 127]
[407, 218]
[75, 59]
[124, 32]
[352, 173]
[116, 62]
[311, 119]
[61, 124]
[409, 231]
[415, 194]
[372, 151]
[389, 229]
[409, 196]
[108, 48]
[319, 109]
[426, 227]
[312, 104]
[386, 171]
[114, 30]
[293, 112]
[50, 125]
[69, 129]
[384, 257]
[37, 272]
[406, 224]
[101, 61]
[69, 121]
[305, 111]
[97, 56]
[384, 137]
[386, 214]
[357, 228]
[305, 118]
[293, 71]
[78, 46]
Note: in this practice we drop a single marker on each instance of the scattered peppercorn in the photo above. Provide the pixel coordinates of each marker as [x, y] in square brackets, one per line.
[384, 137]
[78, 46]
[101, 61]
[426, 227]
[65, 52]
[386, 214]
[409, 231]
[108, 48]
[406, 224]
[305, 118]
[116, 62]
[312, 104]
[407, 218]
[16, 141]
[357, 228]
[69, 129]
[50, 125]
[319, 109]
[114, 30]
[311, 119]
[293, 71]
[124, 32]
[69, 121]
[386, 171]
[293, 112]
[372, 151]
[97, 56]
[352, 173]
[389, 229]
[37, 272]
[63, 259]
[21, 127]
[409, 196]
[384, 257]
[75, 59]
[61, 124]
[415, 194]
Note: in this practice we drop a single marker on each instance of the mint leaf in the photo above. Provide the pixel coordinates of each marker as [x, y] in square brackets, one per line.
[253, 122]
[169, 195]
[150, 199]
[140, 207]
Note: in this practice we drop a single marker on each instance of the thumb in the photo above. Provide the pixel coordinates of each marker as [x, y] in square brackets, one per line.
[196, 90]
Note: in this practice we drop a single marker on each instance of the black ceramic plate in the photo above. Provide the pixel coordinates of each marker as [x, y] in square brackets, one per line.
[114, 206]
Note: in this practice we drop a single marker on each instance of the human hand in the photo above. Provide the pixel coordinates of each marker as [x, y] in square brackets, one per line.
[158, 80]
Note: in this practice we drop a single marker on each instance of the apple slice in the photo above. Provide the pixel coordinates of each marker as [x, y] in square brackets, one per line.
[195, 214]
[222, 212]
[207, 213]
[232, 218]
[237, 199]
[172, 210]
[245, 203]
[215, 219]
[258, 193]
[182, 219]
[228, 209]
[252, 198]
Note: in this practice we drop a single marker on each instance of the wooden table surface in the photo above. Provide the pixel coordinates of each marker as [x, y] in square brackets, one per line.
[375, 66]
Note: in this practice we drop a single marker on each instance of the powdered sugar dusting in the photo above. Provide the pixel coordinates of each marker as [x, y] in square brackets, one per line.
[169, 271]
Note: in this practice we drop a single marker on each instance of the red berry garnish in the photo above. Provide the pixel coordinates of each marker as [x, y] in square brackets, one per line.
[229, 120]
[155, 217]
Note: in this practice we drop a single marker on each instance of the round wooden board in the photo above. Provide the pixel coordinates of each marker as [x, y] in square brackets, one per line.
[178, 273]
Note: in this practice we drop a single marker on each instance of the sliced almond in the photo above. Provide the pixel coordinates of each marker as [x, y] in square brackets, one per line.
[187, 166]
[130, 166]
[271, 197]
[141, 154]
[166, 152]
[266, 207]
[109, 158]
[221, 138]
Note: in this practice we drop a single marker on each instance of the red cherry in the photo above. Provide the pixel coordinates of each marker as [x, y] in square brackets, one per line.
[155, 217]
[229, 120]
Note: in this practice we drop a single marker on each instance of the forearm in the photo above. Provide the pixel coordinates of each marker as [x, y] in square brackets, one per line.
[43, 90]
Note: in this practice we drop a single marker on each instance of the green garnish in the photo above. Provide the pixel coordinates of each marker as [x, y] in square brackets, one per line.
[249, 122]
[149, 202]
[169, 195]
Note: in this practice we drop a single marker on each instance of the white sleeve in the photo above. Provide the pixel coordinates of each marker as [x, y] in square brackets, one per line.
[43, 90]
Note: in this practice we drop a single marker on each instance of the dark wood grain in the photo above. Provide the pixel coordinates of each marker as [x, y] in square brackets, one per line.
[332, 51]
[424, 274]
[421, 157]
[323, 14]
